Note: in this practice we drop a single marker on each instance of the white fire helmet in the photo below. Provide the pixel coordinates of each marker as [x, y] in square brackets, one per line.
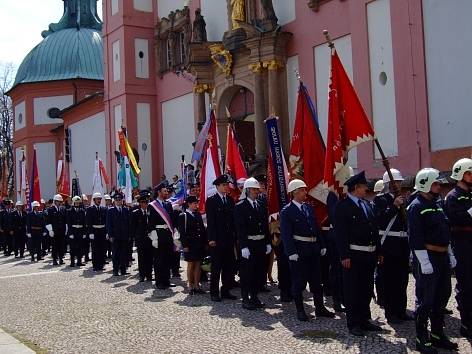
[251, 182]
[397, 176]
[461, 167]
[58, 198]
[379, 186]
[96, 195]
[425, 179]
[35, 204]
[295, 184]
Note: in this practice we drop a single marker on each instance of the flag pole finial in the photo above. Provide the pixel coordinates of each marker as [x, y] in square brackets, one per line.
[328, 39]
[297, 74]
[96, 155]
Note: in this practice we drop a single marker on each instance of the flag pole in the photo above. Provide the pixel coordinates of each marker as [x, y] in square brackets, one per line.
[395, 189]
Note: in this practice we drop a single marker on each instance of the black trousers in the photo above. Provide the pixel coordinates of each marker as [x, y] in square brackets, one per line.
[8, 243]
[57, 243]
[283, 270]
[86, 247]
[19, 243]
[358, 282]
[335, 268]
[120, 255]
[253, 270]
[145, 249]
[76, 248]
[306, 270]
[98, 246]
[162, 259]
[35, 244]
[463, 251]
[175, 263]
[432, 292]
[222, 265]
[394, 275]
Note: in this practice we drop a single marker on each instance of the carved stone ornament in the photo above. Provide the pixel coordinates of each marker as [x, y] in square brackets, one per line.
[222, 57]
[256, 67]
[203, 88]
[273, 64]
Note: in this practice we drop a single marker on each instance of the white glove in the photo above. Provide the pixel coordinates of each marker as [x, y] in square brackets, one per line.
[107, 237]
[45, 233]
[71, 237]
[323, 251]
[153, 235]
[245, 253]
[293, 257]
[29, 235]
[154, 243]
[452, 258]
[51, 233]
[423, 258]
[268, 249]
[49, 227]
[91, 236]
[84, 237]
[470, 211]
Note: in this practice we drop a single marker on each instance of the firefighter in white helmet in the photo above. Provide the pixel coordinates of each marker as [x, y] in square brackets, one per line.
[76, 226]
[56, 225]
[36, 230]
[303, 244]
[429, 237]
[252, 230]
[458, 207]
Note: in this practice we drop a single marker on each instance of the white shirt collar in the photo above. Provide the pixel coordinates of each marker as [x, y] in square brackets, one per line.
[252, 201]
[222, 196]
[297, 204]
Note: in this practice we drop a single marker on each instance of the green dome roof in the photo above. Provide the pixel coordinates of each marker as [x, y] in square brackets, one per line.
[70, 53]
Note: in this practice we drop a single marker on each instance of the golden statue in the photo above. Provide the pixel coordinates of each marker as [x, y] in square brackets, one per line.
[238, 12]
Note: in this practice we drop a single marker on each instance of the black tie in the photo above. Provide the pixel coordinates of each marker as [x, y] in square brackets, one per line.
[224, 200]
[305, 211]
[255, 206]
[362, 207]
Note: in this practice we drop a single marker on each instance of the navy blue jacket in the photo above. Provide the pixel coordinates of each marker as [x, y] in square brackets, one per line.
[118, 223]
[220, 221]
[36, 220]
[352, 226]
[76, 216]
[293, 221]
[96, 216]
[17, 223]
[427, 224]
[56, 217]
[249, 221]
[456, 206]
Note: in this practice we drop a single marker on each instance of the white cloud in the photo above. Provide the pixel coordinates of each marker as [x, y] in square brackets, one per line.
[22, 23]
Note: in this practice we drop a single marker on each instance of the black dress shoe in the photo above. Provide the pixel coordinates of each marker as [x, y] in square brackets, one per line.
[248, 305]
[125, 273]
[55, 263]
[265, 289]
[324, 312]
[148, 278]
[367, 326]
[72, 265]
[215, 298]
[80, 264]
[115, 274]
[443, 342]
[141, 279]
[199, 291]
[447, 311]
[161, 287]
[61, 261]
[406, 317]
[302, 316]
[394, 320]
[229, 296]
[357, 331]
[258, 303]
[192, 292]
[466, 332]
[285, 297]
[171, 285]
[338, 307]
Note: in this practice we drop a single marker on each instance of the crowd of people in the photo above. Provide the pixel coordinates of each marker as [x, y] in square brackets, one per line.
[366, 249]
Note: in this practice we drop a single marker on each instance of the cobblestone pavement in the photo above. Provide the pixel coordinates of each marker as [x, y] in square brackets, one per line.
[69, 310]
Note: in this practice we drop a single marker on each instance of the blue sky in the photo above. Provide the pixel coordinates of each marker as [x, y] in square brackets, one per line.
[22, 22]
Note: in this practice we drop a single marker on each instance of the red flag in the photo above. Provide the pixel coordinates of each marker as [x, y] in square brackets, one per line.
[234, 163]
[348, 125]
[211, 166]
[35, 193]
[307, 153]
[63, 182]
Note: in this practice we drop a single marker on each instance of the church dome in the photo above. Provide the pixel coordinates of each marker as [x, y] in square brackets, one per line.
[71, 49]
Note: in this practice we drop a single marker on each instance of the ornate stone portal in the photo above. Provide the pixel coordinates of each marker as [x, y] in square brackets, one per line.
[250, 57]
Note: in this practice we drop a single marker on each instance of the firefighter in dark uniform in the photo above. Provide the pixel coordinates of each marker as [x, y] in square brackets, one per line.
[194, 242]
[87, 241]
[36, 228]
[139, 232]
[221, 239]
[76, 227]
[358, 241]
[56, 226]
[18, 229]
[108, 205]
[96, 216]
[5, 227]
[161, 232]
[252, 229]
[118, 223]
[458, 208]
[391, 219]
[429, 236]
[301, 236]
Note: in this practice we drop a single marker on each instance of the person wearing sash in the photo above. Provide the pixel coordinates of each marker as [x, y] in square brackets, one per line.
[194, 241]
[139, 232]
[252, 229]
[358, 242]
[118, 223]
[161, 232]
[76, 226]
[395, 249]
[301, 237]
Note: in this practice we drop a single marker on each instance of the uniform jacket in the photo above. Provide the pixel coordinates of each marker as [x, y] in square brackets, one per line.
[139, 223]
[96, 216]
[352, 226]
[56, 217]
[249, 221]
[220, 221]
[17, 222]
[4, 220]
[293, 221]
[192, 230]
[456, 206]
[36, 219]
[76, 216]
[427, 223]
[118, 223]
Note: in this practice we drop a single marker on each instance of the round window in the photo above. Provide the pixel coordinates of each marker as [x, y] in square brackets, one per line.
[141, 54]
[144, 147]
[20, 118]
[383, 78]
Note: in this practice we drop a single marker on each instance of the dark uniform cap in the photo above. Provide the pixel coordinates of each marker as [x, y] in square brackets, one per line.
[144, 196]
[118, 195]
[160, 186]
[356, 179]
[191, 199]
[221, 179]
[7, 202]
